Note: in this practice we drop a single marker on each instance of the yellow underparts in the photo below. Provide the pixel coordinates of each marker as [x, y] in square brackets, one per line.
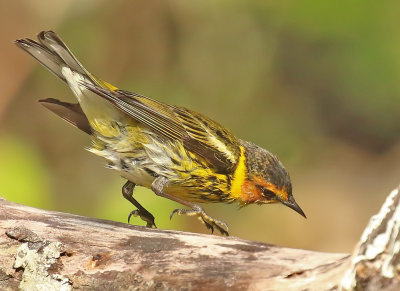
[105, 127]
[239, 176]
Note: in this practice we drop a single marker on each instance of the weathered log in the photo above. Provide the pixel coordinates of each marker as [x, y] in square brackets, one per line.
[59, 251]
[375, 264]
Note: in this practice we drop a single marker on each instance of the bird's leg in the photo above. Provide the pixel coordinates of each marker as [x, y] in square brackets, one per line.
[127, 192]
[158, 186]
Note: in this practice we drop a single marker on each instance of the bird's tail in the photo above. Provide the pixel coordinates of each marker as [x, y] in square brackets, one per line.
[53, 53]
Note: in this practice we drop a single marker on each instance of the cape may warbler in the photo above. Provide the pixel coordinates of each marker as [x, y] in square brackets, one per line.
[178, 153]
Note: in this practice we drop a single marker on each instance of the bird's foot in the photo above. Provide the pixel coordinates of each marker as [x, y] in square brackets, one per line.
[209, 222]
[145, 216]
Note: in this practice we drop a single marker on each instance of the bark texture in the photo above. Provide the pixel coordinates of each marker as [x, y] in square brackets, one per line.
[45, 250]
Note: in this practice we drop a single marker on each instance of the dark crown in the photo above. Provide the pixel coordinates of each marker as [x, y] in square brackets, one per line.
[262, 163]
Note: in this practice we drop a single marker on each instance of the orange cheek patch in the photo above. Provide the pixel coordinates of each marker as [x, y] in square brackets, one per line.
[281, 193]
[250, 192]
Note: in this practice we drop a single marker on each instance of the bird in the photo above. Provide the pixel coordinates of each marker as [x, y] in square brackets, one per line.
[178, 153]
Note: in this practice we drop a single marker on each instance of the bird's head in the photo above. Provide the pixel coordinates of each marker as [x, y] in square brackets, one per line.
[264, 179]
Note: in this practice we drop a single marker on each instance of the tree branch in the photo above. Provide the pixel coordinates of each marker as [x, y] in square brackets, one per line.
[61, 251]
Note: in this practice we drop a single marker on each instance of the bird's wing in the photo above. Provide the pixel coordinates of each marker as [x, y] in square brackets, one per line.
[198, 134]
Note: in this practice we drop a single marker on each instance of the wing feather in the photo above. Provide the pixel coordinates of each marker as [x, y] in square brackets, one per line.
[198, 133]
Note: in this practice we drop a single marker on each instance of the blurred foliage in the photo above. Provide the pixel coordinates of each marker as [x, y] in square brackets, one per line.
[22, 171]
[315, 82]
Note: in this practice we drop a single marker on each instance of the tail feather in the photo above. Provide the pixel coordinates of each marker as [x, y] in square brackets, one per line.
[53, 42]
[70, 112]
[47, 58]
[52, 53]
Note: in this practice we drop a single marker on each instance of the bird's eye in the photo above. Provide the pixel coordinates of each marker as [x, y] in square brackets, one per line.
[267, 193]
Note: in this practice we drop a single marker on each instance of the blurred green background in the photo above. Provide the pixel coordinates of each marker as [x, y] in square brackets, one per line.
[316, 82]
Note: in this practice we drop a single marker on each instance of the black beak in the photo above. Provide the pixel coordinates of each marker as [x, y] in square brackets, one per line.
[291, 203]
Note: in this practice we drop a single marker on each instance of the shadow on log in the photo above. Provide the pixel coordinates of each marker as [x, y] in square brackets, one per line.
[59, 251]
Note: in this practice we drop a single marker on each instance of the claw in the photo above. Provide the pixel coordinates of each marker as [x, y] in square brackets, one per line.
[175, 211]
[208, 221]
[132, 213]
[145, 216]
[209, 226]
